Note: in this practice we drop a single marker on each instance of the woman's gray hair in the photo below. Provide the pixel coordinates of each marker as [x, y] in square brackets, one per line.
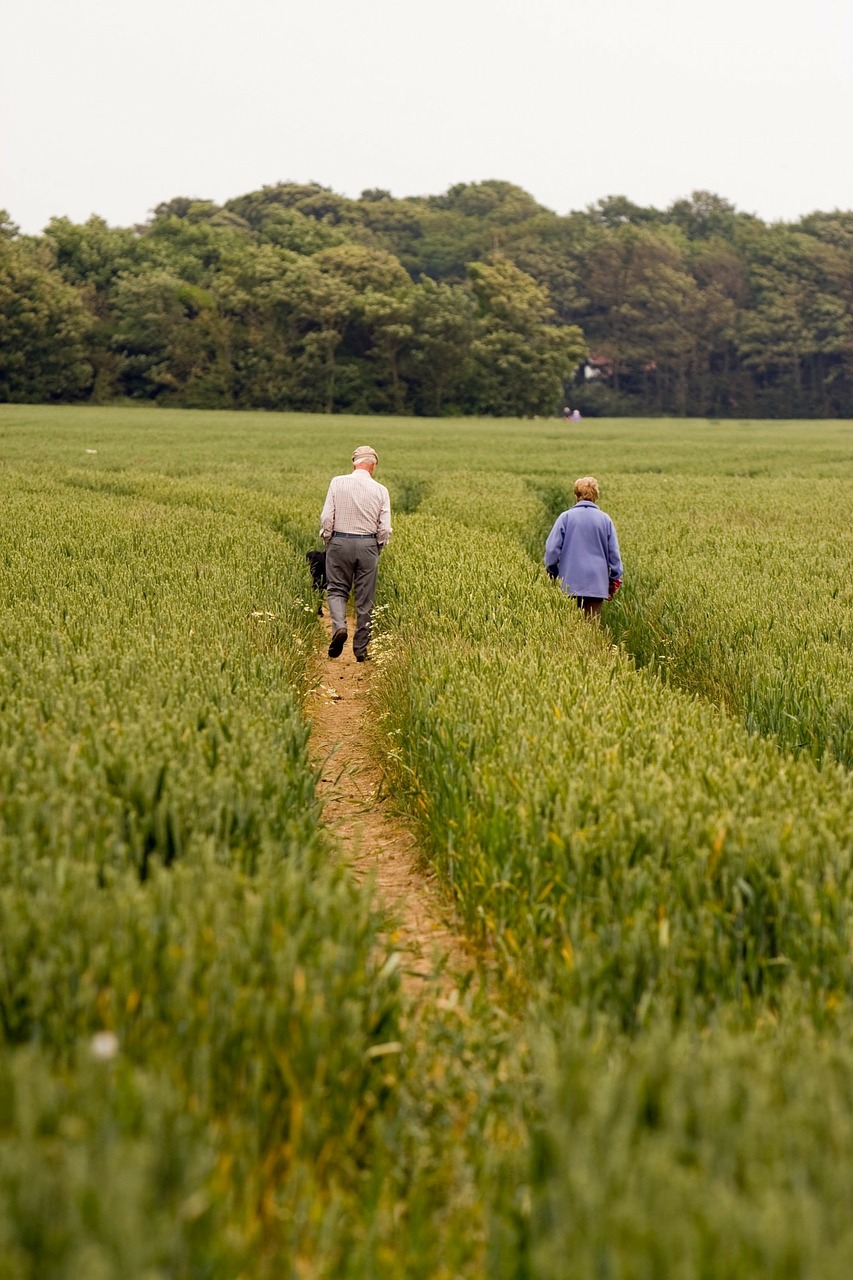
[586, 489]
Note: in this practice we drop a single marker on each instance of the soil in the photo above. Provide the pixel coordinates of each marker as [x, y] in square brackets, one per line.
[377, 843]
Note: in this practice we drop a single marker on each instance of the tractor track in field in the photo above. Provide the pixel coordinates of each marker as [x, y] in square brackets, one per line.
[375, 842]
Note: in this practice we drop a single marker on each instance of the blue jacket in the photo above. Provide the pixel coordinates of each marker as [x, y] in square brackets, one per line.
[583, 546]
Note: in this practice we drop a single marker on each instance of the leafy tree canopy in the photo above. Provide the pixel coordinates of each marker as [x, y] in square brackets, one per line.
[476, 300]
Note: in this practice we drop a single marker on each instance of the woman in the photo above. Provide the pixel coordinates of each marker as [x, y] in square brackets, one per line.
[583, 552]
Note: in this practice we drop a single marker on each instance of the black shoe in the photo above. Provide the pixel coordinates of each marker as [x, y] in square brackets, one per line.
[339, 639]
[362, 657]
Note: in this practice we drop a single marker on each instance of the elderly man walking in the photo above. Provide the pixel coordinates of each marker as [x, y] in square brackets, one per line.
[355, 526]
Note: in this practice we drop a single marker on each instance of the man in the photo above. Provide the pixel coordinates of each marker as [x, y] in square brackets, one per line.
[355, 526]
[583, 552]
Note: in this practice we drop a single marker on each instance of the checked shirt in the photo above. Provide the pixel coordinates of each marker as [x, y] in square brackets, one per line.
[356, 503]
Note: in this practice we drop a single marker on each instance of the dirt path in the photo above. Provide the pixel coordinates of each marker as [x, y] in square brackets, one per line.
[374, 841]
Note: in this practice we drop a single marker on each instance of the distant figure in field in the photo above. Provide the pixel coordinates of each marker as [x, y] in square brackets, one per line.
[567, 413]
[576, 415]
[355, 526]
[582, 551]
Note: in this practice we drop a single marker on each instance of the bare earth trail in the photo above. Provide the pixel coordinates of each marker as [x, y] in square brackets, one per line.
[375, 842]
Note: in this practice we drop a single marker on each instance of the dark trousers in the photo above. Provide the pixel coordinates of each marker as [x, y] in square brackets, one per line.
[351, 565]
[591, 606]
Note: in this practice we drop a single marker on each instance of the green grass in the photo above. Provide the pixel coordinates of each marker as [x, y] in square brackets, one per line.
[613, 836]
[652, 825]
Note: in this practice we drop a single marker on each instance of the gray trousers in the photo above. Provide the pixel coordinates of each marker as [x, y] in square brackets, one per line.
[351, 565]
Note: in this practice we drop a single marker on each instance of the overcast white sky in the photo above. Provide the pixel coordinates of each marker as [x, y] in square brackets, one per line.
[110, 107]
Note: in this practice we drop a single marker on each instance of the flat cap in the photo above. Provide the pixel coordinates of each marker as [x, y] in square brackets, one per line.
[364, 453]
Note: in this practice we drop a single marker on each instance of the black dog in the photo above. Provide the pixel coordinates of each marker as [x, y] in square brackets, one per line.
[317, 566]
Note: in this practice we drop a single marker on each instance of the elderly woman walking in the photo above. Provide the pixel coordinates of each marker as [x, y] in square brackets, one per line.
[583, 553]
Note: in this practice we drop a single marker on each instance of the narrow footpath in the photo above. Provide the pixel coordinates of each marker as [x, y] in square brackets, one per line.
[375, 842]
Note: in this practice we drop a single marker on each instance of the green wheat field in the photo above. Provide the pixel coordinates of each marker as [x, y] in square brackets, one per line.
[208, 1068]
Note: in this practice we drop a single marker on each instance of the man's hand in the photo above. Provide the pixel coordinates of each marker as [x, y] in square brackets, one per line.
[552, 570]
[615, 584]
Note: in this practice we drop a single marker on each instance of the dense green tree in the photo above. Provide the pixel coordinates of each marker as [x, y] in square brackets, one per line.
[439, 361]
[798, 334]
[294, 296]
[194, 211]
[195, 251]
[389, 318]
[832, 228]
[618, 211]
[290, 229]
[91, 255]
[44, 326]
[256, 207]
[446, 245]
[318, 306]
[521, 358]
[342, 304]
[704, 215]
[170, 341]
[551, 250]
[642, 311]
[252, 292]
[8, 229]
[716, 387]
[501, 202]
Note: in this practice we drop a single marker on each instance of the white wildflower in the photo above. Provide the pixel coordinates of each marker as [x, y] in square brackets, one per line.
[104, 1046]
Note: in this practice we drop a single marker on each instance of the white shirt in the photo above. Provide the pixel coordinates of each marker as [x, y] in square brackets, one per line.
[356, 503]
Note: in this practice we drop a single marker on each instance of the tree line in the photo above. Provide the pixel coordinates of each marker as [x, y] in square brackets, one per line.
[477, 301]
